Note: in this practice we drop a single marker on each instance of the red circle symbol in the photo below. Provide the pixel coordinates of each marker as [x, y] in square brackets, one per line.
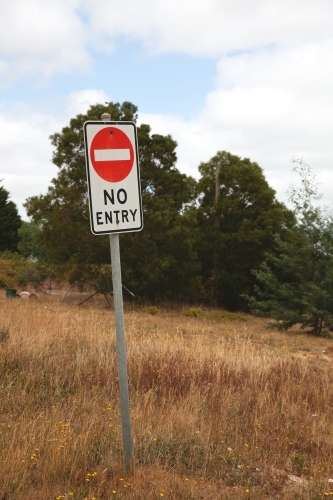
[111, 154]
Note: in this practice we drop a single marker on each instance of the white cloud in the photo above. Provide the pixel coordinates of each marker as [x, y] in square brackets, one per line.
[26, 167]
[212, 27]
[25, 152]
[44, 38]
[268, 106]
[41, 37]
[25, 149]
[79, 102]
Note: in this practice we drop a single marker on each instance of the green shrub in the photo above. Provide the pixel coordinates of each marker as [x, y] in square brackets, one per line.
[151, 310]
[193, 312]
[16, 271]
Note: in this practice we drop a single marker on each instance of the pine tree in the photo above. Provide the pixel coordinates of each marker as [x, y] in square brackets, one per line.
[295, 282]
[10, 221]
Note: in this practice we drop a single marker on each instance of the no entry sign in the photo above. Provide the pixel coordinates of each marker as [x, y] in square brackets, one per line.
[113, 177]
[112, 154]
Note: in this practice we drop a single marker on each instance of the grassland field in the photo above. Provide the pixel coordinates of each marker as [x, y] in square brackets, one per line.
[221, 406]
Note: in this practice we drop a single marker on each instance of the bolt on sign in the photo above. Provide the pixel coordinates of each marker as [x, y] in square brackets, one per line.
[113, 177]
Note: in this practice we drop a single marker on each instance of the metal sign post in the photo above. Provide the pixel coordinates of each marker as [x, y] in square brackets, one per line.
[121, 350]
[115, 207]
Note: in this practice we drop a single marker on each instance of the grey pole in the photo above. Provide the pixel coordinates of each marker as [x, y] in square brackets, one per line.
[121, 343]
[121, 351]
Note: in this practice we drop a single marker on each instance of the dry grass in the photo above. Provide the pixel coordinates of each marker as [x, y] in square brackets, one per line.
[221, 409]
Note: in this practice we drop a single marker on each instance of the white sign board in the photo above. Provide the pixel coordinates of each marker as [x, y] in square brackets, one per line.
[113, 177]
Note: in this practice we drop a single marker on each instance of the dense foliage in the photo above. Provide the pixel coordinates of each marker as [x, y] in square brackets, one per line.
[10, 221]
[239, 228]
[17, 272]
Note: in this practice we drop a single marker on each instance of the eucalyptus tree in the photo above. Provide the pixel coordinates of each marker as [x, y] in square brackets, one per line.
[157, 262]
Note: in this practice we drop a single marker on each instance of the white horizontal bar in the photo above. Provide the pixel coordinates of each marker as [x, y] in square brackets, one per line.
[112, 154]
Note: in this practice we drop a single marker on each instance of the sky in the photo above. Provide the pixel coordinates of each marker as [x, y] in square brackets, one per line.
[252, 77]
